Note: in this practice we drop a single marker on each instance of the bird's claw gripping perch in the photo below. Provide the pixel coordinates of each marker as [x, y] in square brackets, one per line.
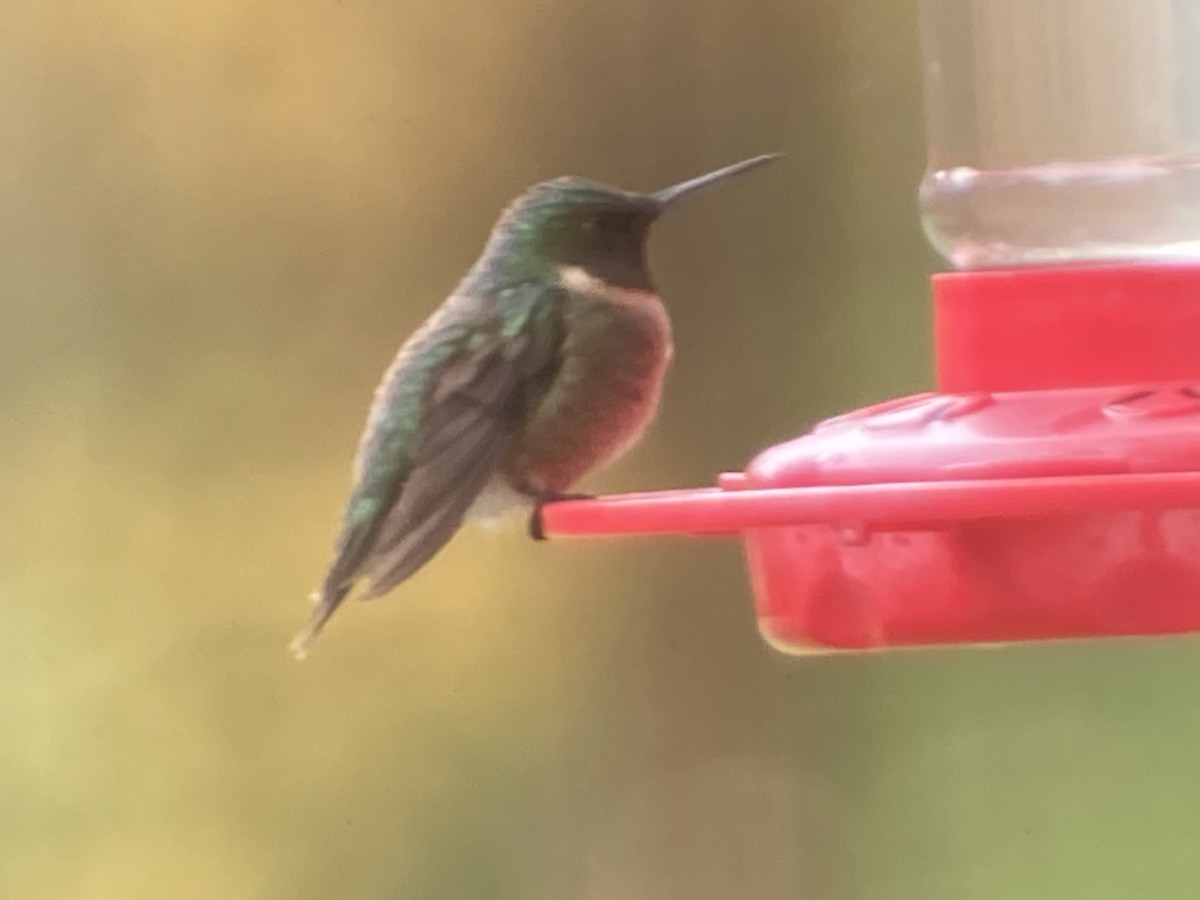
[536, 530]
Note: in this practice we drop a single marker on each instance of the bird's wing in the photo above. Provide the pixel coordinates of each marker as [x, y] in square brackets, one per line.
[440, 423]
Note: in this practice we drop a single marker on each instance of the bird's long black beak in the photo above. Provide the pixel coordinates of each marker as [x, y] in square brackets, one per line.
[676, 192]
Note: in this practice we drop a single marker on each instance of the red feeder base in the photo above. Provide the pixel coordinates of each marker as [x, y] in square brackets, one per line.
[1051, 491]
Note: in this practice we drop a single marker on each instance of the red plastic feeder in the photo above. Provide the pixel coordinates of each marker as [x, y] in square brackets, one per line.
[1050, 489]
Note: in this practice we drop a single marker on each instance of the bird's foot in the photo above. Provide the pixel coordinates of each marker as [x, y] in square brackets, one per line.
[535, 521]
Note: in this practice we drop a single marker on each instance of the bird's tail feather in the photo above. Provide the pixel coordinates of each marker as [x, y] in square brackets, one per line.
[327, 600]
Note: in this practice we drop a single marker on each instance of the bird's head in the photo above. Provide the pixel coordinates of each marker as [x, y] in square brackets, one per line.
[583, 225]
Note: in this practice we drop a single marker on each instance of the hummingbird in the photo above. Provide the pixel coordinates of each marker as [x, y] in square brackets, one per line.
[546, 362]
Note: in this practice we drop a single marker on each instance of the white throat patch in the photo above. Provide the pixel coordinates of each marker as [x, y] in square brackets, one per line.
[580, 281]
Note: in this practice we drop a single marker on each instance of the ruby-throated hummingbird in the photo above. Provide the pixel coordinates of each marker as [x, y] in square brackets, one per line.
[546, 362]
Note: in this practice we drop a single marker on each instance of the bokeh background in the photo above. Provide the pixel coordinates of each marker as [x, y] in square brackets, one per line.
[218, 219]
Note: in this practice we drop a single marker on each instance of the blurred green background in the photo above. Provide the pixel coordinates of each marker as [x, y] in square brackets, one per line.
[218, 220]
